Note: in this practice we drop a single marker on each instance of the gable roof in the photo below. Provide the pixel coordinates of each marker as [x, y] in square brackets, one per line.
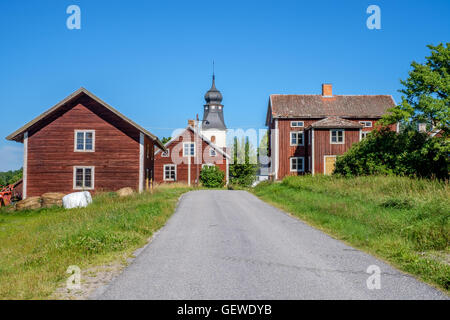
[318, 106]
[201, 136]
[335, 122]
[18, 134]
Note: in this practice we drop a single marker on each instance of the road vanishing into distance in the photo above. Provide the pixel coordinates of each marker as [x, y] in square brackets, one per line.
[231, 245]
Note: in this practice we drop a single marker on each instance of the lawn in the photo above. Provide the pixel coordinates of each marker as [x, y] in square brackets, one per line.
[403, 221]
[37, 246]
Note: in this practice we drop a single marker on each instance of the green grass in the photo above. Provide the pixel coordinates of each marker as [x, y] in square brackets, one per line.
[37, 246]
[403, 221]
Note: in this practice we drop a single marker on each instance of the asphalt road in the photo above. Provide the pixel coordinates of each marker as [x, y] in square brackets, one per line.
[231, 245]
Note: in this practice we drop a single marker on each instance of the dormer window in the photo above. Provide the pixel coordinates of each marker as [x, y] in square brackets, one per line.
[366, 124]
[84, 140]
[297, 124]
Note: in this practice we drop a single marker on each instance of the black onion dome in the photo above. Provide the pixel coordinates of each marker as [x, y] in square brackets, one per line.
[213, 96]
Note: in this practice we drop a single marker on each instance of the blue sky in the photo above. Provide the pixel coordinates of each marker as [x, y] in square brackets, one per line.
[152, 60]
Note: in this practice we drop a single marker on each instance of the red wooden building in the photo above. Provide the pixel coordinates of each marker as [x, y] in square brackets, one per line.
[307, 132]
[185, 156]
[82, 143]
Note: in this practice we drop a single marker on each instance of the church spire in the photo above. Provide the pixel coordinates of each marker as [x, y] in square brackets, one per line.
[213, 111]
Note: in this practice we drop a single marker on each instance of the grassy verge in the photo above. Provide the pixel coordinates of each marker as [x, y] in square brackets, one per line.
[37, 246]
[406, 222]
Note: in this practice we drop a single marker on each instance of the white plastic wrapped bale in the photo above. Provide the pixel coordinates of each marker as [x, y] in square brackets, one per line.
[77, 200]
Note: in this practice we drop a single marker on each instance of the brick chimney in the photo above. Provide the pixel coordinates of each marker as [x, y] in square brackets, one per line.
[327, 90]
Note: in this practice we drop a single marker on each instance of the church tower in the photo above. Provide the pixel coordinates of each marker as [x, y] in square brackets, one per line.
[213, 124]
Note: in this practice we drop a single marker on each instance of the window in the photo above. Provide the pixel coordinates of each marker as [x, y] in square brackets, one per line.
[309, 137]
[366, 124]
[364, 134]
[188, 149]
[170, 172]
[309, 163]
[85, 140]
[148, 151]
[296, 124]
[296, 138]
[207, 165]
[212, 152]
[83, 178]
[165, 154]
[337, 136]
[297, 164]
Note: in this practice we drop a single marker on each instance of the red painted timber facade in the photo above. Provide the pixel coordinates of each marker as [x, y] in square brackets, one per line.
[318, 115]
[188, 170]
[118, 159]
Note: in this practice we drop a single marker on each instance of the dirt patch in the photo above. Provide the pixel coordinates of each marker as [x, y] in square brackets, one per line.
[91, 279]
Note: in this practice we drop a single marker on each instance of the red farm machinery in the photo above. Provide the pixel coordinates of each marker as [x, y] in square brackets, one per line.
[10, 193]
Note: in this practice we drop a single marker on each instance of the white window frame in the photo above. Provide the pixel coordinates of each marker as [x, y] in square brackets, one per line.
[184, 149]
[75, 187]
[331, 136]
[364, 123]
[364, 134]
[297, 124]
[164, 171]
[165, 154]
[212, 152]
[296, 170]
[208, 165]
[297, 133]
[75, 145]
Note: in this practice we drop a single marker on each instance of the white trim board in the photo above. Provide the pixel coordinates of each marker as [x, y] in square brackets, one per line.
[25, 165]
[141, 162]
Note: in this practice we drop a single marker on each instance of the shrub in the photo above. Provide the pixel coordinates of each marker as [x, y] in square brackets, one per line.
[212, 177]
[409, 153]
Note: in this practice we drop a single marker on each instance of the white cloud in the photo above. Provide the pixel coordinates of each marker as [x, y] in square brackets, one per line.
[11, 157]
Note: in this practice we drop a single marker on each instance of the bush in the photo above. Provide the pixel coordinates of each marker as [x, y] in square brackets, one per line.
[243, 174]
[409, 153]
[212, 177]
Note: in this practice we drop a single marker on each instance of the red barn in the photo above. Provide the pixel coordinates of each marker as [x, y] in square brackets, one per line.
[186, 155]
[307, 132]
[82, 143]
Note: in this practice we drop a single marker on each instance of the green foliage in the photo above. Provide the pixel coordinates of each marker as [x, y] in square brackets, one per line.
[212, 177]
[10, 177]
[242, 174]
[403, 220]
[164, 140]
[409, 153]
[426, 92]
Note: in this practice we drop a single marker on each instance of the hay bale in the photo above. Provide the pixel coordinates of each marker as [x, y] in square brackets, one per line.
[51, 199]
[127, 191]
[29, 203]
